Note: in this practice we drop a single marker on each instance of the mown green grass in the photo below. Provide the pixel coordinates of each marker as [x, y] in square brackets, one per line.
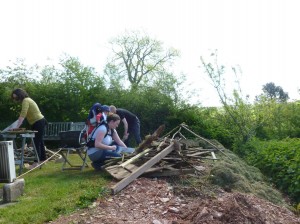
[50, 192]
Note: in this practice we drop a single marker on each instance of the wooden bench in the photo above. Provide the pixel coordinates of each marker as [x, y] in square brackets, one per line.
[68, 134]
[53, 129]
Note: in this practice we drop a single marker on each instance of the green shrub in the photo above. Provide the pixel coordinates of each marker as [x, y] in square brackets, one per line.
[279, 160]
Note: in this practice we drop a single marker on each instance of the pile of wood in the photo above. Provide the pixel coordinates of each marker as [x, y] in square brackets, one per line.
[172, 154]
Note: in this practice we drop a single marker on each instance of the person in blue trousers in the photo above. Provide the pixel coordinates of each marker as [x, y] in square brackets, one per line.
[105, 142]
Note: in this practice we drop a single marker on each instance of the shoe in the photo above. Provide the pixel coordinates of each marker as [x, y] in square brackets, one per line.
[33, 166]
[97, 166]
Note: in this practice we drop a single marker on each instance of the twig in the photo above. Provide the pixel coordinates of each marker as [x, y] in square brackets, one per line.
[166, 135]
[182, 135]
[184, 126]
[176, 133]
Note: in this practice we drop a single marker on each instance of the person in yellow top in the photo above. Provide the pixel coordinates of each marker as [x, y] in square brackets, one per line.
[37, 121]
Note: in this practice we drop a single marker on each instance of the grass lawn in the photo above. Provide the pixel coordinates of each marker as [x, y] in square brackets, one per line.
[50, 192]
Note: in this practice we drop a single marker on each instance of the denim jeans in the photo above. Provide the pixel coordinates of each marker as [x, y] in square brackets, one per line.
[101, 155]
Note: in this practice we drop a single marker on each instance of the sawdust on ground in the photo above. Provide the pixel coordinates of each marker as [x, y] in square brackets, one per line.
[155, 201]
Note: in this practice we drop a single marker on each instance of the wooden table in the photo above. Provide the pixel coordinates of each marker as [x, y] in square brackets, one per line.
[21, 157]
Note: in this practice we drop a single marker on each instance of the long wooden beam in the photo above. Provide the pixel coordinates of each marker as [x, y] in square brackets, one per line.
[135, 157]
[127, 180]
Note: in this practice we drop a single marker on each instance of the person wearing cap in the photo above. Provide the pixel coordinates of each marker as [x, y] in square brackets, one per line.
[131, 124]
[94, 111]
[97, 114]
[103, 116]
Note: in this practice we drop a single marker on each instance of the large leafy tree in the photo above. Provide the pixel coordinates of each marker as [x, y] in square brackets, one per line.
[273, 92]
[80, 87]
[138, 59]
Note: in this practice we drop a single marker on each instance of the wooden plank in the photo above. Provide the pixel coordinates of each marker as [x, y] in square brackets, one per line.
[119, 172]
[123, 183]
[154, 169]
[197, 154]
[135, 158]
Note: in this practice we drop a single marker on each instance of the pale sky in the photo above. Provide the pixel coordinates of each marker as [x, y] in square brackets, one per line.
[261, 36]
